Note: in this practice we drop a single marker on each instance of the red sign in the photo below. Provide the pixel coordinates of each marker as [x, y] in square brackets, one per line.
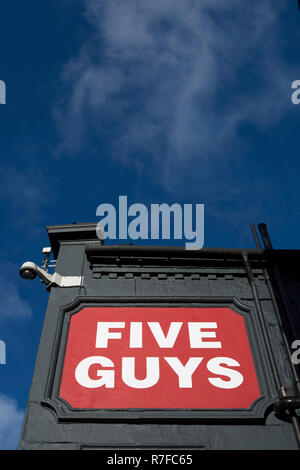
[160, 357]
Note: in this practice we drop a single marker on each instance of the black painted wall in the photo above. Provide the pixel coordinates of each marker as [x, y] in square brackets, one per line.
[131, 275]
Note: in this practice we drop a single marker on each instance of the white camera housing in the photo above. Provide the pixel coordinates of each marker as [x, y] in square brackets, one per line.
[30, 270]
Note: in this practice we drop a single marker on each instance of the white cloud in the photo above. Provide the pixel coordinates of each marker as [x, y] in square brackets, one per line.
[11, 302]
[178, 77]
[168, 84]
[11, 419]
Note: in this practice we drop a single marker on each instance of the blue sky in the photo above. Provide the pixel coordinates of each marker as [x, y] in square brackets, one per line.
[162, 101]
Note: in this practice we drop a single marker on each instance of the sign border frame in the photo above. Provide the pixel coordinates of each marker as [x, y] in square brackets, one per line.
[257, 412]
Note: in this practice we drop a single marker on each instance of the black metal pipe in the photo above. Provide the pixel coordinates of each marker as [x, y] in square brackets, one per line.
[265, 236]
[286, 404]
[279, 320]
[262, 322]
[277, 312]
[257, 242]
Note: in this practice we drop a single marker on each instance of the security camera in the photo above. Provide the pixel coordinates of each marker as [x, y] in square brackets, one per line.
[30, 270]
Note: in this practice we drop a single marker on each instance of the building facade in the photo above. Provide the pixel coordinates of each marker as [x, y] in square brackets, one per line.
[165, 348]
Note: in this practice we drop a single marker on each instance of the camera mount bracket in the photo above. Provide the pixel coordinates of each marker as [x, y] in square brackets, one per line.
[50, 280]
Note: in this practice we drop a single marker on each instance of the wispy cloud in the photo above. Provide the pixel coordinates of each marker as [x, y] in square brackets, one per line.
[174, 78]
[169, 86]
[11, 418]
[12, 306]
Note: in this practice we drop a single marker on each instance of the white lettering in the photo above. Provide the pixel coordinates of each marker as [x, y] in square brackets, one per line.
[136, 339]
[103, 334]
[152, 372]
[162, 340]
[107, 377]
[236, 378]
[184, 372]
[196, 335]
